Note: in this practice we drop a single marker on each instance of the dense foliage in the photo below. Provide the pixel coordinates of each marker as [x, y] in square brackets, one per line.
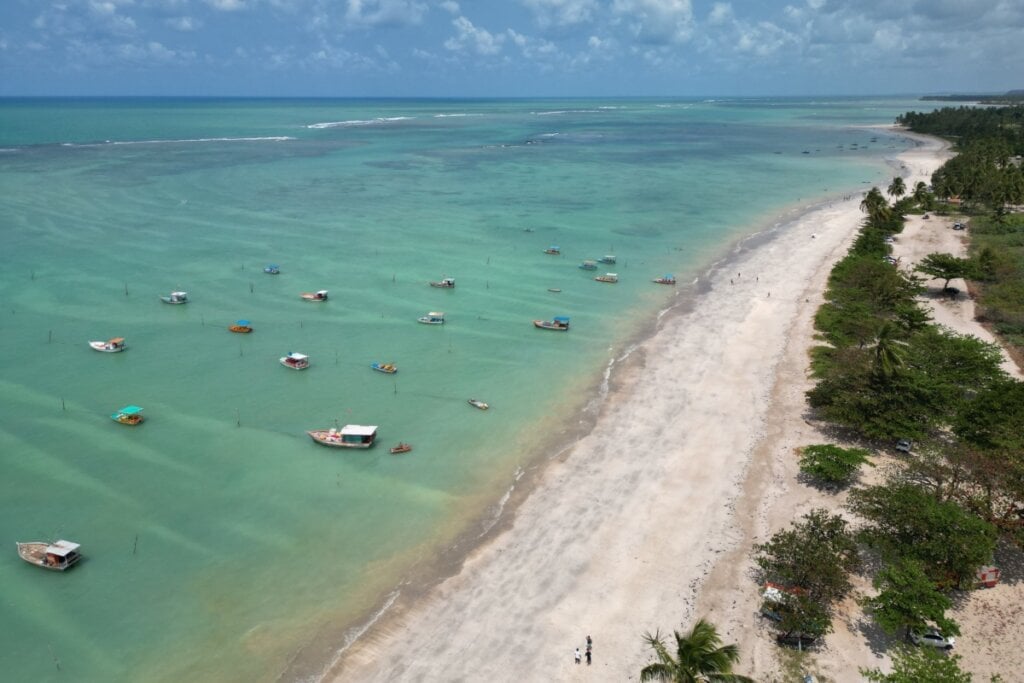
[920, 665]
[997, 246]
[1001, 123]
[832, 464]
[908, 601]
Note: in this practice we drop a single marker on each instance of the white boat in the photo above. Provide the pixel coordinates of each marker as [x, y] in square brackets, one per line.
[115, 345]
[295, 361]
[445, 283]
[607, 258]
[559, 323]
[432, 318]
[318, 296]
[386, 368]
[477, 403]
[588, 265]
[607, 277]
[272, 269]
[175, 298]
[349, 436]
[56, 556]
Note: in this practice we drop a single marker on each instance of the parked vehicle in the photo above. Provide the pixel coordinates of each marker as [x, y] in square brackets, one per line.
[932, 638]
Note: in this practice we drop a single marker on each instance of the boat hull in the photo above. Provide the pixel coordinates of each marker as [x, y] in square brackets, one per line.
[401, 448]
[548, 325]
[480, 405]
[324, 438]
[173, 302]
[294, 366]
[240, 329]
[429, 321]
[104, 347]
[34, 552]
[387, 368]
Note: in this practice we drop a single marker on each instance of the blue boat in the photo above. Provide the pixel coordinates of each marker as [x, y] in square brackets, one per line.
[387, 368]
[272, 269]
[666, 279]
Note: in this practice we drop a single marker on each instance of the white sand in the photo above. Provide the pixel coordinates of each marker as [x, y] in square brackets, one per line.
[648, 523]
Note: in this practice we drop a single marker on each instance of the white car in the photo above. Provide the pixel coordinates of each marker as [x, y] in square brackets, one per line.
[932, 638]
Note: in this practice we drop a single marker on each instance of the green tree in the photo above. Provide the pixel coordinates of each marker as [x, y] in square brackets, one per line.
[890, 350]
[945, 266]
[905, 520]
[700, 656]
[875, 206]
[920, 665]
[897, 188]
[832, 464]
[908, 601]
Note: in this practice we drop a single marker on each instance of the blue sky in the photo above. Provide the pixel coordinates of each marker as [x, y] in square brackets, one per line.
[514, 48]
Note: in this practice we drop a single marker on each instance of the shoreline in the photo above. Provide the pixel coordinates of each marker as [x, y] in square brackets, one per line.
[562, 567]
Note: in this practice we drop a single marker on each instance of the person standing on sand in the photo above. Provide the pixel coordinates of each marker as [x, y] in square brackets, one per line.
[577, 655]
[588, 656]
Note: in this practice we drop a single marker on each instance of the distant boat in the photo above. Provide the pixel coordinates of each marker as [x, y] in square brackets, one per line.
[115, 345]
[129, 415]
[349, 436]
[478, 404]
[175, 298]
[556, 290]
[272, 269]
[317, 296]
[607, 277]
[295, 361]
[401, 447]
[388, 368]
[241, 327]
[666, 279]
[607, 258]
[559, 323]
[588, 265]
[57, 556]
[445, 283]
[432, 318]
[553, 249]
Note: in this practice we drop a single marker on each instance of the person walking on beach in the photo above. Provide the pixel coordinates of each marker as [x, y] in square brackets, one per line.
[577, 655]
[588, 656]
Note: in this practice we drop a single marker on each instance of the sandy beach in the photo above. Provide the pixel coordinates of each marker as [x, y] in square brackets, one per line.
[647, 522]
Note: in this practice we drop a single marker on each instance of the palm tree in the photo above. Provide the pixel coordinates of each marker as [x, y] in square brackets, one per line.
[875, 206]
[921, 195]
[897, 188]
[889, 350]
[700, 656]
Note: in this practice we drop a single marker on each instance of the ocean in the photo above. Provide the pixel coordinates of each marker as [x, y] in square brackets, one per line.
[220, 542]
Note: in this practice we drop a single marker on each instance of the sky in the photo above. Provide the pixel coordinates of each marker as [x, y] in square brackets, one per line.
[509, 48]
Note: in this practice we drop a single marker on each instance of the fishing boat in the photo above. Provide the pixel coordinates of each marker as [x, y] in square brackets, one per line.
[401, 447]
[272, 269]
[556, 290]
[607, 277]
[295, 361]
[349, 436]
[175, 298]
[129, 415]
[317, 296]
[666, 279]
[559, 323]
[445, 283]
[387, 368]
[57, 556]
[115, 345]
[476, 403]
[432, 318]
[553, 249]
[241, 327]
[607, 258]
[588, 265]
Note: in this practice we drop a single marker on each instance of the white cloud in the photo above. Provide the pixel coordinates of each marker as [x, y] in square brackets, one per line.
[721, 13]
[226, 5]
[183, 23]
[385, 12]
[562, 12]
[656, 22]
[479, 40]
[450, 6]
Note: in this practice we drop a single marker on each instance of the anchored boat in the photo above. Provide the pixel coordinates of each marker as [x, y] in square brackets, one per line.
[241, 327]
[115, 345]
[272, 269]
[175, 298]
[57, 556]
[607, 277]
[349, 436]
[666, 279]
[318, 296]
[476, 403]
[129, 415]
[432, 318]
[553, 249]
[295, 361]
[559, 323]
[445, 283]
[387, 368]
[401, 448]
[607, 258]
[588, 265]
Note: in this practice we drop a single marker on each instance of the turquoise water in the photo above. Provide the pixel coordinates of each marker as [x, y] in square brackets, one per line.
[219, 540]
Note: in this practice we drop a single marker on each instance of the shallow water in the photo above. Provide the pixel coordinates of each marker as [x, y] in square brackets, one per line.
[219, 539]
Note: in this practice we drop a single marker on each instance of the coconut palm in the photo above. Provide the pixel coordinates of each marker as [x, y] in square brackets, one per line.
[700, 657]
[897, 188]
[889, 350]
[875, 206]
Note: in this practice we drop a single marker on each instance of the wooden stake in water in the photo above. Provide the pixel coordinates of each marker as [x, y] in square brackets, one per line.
[52, 654]
[251, 290]
[49, 340]
[126, 289]
[238, 418]
[62, 406]
[392, 277]
[136, 546]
